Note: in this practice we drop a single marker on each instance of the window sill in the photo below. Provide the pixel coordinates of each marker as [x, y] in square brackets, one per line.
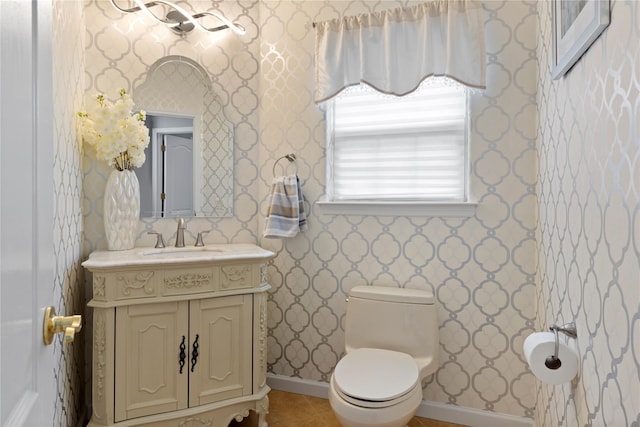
[441, 209]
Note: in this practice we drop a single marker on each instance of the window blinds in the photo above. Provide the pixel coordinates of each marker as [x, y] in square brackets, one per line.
[398, 148]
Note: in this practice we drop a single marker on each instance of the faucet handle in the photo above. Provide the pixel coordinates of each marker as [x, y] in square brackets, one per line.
[159, 240]
[199, 240]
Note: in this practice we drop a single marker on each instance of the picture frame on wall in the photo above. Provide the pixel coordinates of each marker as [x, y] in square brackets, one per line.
[576, 24]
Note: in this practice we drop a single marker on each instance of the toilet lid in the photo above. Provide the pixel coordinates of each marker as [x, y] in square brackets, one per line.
[376, 375]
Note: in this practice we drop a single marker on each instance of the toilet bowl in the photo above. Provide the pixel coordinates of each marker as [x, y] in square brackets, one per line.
[391, 344]
[375, 387]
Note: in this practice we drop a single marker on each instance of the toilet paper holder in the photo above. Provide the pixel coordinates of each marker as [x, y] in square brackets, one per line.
[569, 329]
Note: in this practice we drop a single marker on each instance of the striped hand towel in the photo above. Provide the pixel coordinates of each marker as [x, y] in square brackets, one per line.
[286, 215]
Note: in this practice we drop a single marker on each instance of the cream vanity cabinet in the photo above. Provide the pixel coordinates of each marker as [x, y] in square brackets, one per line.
[179, 336]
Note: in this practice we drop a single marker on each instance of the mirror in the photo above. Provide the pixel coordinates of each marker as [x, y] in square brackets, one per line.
[189, 166]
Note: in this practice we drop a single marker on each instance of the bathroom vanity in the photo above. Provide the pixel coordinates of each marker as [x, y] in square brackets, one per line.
[179, 335]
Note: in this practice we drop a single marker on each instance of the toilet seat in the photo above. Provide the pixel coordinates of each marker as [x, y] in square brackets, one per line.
[376, 378]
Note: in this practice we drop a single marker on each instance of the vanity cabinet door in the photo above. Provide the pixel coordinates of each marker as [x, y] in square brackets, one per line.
[221, 333]
[149, 338]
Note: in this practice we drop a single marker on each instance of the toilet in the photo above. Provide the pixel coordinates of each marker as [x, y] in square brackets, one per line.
[391, 343]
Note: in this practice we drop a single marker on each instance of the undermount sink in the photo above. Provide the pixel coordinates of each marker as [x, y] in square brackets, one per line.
[167, 253]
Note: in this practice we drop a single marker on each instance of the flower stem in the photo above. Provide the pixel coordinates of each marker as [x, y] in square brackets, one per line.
[122, 161]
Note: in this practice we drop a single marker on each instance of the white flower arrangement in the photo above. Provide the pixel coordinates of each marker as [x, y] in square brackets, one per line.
[117, 136]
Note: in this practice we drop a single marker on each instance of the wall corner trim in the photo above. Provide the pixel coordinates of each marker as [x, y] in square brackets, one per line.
[427, 409]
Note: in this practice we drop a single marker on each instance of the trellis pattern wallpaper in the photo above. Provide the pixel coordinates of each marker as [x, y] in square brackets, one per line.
[481, 269]
[120, 48]
[68, 63]
[589, 221]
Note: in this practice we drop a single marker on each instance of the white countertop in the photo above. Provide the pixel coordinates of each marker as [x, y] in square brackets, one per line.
[171, 255]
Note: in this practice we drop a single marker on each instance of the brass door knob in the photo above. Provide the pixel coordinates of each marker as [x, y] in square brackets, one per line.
[53, 324]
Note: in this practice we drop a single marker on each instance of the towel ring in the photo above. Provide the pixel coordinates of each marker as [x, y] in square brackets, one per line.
[291, 157]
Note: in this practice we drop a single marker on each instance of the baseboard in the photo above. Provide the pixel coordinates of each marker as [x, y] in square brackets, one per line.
[469, 416]
[437, 411]
[298, 386]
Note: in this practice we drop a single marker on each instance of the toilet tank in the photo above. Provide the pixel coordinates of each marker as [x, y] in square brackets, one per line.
[394, 318]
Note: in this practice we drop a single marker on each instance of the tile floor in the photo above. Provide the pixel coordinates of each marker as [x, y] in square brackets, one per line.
[296, 410]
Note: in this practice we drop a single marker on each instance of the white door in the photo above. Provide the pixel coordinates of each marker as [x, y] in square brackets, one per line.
[27, 392]
[178, 185]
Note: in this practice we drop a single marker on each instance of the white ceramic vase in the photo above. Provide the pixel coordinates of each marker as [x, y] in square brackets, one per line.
[121, 209]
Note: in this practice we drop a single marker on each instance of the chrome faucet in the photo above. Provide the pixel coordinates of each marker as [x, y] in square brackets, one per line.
[180, 234]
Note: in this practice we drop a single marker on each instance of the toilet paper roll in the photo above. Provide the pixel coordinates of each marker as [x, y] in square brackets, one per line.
[540, 345]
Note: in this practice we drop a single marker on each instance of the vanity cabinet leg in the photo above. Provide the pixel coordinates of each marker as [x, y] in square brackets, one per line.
[262, 409]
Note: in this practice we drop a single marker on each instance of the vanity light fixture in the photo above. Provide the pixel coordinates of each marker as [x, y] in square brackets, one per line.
[179, 20]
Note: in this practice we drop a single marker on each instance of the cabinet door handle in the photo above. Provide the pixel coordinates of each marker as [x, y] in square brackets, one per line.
[183, 355]
[194, 353]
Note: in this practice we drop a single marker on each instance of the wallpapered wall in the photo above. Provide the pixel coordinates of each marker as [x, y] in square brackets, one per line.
[589, 222]
[119, 50]
[68, 74]
[481, 269]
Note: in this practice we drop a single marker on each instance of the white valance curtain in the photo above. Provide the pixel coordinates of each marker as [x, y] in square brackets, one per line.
[395, 50]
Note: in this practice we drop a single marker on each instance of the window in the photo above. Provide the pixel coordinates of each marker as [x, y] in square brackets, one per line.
[389, 149]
